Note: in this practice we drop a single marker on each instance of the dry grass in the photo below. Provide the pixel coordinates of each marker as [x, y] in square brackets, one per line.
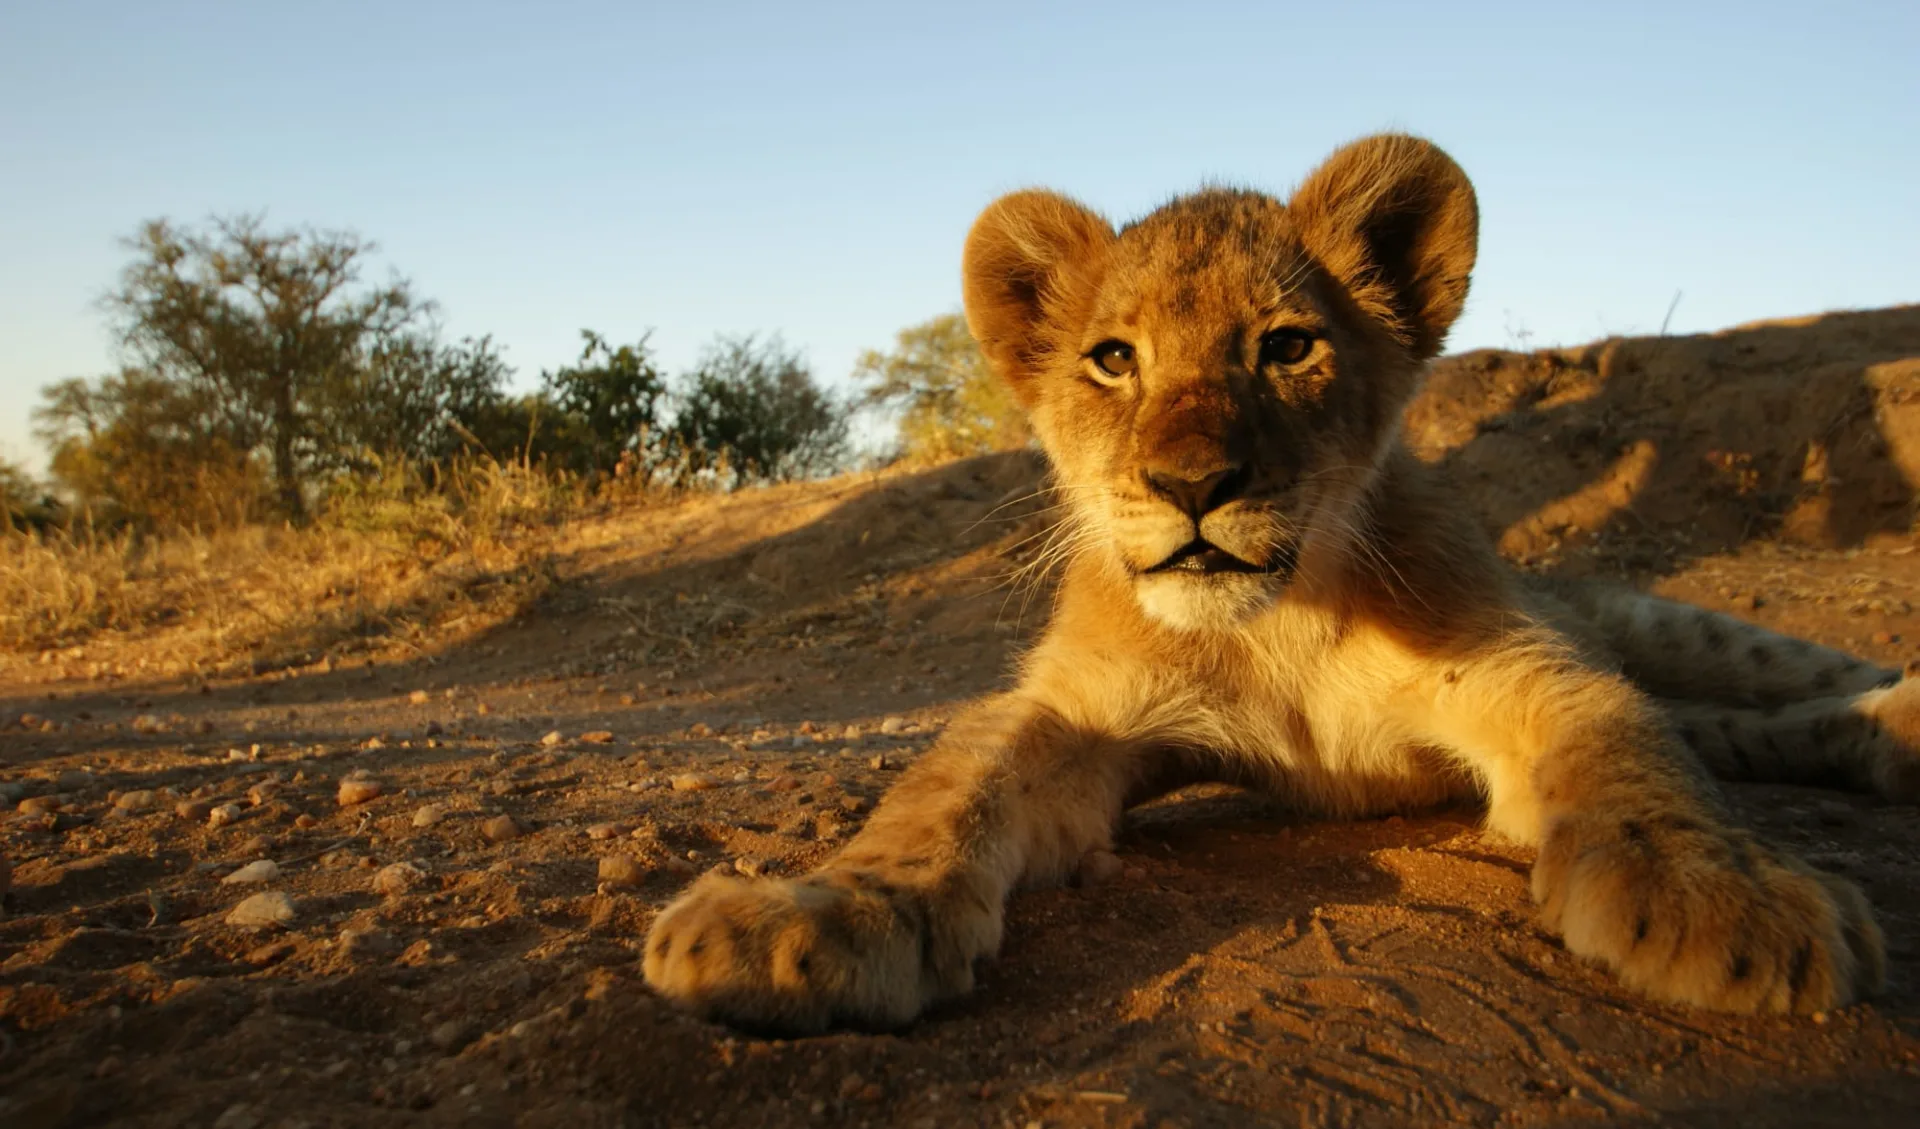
[394, 558]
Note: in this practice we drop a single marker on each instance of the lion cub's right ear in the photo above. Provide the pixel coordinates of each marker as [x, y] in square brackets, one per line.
[1032, 261]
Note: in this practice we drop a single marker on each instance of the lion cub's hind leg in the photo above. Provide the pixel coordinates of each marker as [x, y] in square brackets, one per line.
[1867, 742]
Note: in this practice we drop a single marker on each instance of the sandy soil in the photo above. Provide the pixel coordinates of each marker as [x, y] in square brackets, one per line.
[462, 947]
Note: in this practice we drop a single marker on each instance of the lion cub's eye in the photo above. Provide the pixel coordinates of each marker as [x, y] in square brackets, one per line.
[1114, 358]
[1286, 347]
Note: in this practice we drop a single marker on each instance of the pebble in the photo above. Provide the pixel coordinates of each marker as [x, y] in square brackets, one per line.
[239, 1116]
[752, 866]
[880, 761]
[783, 783]
[501, 828]
[12, 791]
[148, 723]
[893, 725]
[40, 805]
[604, 831]
[1835, 813]
[397, 878]
[622, 870]
[451, 1035]
[262, 792]
[552, 739]
[418, 697]
[692, 782]
[426, 815]
[194, 810]
[260, 870]
[223, 815]
[367, 942]
[358, 790]
[598, 737]
[73, 780]
[305, 822]
[373, 744]
[262, 911]
[139, 800]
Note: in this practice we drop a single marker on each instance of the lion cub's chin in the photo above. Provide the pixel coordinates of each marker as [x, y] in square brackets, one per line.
[1217, 603]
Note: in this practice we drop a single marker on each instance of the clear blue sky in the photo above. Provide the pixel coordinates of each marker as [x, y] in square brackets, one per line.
[697, 168]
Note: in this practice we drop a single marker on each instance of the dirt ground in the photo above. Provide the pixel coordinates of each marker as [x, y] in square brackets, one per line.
[733, 682]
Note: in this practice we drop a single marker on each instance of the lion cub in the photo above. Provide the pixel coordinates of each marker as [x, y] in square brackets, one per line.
[1268, 590]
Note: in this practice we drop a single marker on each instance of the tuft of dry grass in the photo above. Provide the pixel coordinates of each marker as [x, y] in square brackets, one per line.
[395, 557]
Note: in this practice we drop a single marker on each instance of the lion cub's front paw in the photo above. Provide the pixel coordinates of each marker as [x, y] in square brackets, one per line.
[791, 956]
[1701, 915]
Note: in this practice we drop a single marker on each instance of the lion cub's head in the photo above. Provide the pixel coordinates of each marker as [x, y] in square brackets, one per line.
[1218, 383]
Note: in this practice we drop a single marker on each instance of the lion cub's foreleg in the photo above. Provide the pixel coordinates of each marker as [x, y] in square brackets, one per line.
[1638, 866]
[1011, 795]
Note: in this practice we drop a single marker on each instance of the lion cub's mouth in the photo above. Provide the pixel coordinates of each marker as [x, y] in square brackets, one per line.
[1201, 557]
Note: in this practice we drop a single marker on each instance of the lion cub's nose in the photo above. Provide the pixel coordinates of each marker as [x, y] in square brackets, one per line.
[1199, 496]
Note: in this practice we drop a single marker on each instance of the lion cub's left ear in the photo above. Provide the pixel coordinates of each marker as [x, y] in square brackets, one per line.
[1394, 219]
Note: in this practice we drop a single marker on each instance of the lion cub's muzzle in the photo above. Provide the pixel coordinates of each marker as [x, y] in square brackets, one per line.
[1225, 538]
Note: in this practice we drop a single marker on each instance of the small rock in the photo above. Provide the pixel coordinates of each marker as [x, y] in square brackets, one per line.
[435, 729]
[262, 792]
[1097, 868]
[260, 870]
[893, 725]
[1883, 638]
[147, 723]
[263, 911]
[239, 1116]
[373, 744]
[783, 783]
[139, 800]
[73, 780]
[426, 815]
[40, 805]
[752, 866]
[598, 737]
[367, 943]
[853, 805]
[1835, 813]
[552, 739]
[451, 1035]
[12, 791]
[223, 815]
[604, 831]
[622, 870]
[699, 729]
[397, 879]
[692, 782]
[880, 761]
[501, 828]
[358, 790]
[194, 810]
[305, 822]
[418, 697]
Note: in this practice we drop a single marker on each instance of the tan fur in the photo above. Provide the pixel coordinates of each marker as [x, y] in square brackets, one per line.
[1338, 635]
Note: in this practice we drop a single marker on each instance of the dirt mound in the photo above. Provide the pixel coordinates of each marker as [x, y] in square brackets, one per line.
[1651, 449]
